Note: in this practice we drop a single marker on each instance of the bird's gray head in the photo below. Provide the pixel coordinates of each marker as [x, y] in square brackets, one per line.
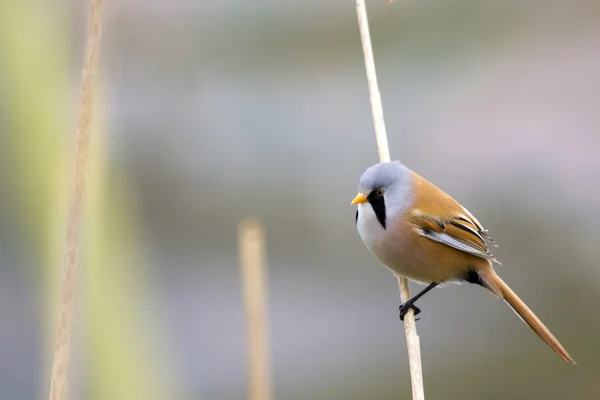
[386, 188]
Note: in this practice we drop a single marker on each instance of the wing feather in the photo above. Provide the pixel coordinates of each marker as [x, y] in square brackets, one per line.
[446, 221]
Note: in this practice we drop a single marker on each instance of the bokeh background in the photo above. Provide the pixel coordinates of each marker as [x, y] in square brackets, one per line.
[210, 111]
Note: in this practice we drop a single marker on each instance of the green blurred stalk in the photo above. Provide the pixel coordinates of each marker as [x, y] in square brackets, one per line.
[121, 342]
[123, 361]
[34, 76]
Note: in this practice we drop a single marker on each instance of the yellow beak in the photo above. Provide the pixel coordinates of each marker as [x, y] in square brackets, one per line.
[360, 198]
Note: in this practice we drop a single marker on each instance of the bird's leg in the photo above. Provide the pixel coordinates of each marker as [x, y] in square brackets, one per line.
[411, 302]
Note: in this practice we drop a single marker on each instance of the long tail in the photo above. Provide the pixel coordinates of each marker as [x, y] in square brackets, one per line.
[495, 284]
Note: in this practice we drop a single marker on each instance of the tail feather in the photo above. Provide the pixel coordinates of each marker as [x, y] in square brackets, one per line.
[495, 284]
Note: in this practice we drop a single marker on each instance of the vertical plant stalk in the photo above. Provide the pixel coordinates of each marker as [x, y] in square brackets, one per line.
[59, 381]
[254, 277]
[412, 338]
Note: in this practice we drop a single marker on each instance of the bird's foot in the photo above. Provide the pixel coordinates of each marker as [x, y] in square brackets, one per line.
[407, 306]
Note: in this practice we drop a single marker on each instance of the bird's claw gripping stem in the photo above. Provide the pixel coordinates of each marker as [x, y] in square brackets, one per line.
[407, 306]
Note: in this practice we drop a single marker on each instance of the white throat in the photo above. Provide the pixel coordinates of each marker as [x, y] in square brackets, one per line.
[369, 228]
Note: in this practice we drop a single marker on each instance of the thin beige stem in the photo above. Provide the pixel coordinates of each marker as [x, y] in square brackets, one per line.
[254, 279]
[412, 338]
[59, 382]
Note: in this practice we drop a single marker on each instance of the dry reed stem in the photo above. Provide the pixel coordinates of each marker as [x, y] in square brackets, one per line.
[59, 381]
[412, 338]
[254, 277]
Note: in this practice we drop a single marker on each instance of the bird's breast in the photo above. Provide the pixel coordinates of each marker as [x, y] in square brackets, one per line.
[407, 253]
[387, 244]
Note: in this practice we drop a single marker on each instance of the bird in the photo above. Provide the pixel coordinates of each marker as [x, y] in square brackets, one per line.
[420, 232]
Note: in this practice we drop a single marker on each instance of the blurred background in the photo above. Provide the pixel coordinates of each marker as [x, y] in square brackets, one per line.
[210, 111]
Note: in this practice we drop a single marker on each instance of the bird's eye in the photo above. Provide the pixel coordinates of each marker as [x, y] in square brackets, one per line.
[380, 192]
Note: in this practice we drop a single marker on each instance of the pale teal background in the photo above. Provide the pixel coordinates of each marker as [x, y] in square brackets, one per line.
[222, 109]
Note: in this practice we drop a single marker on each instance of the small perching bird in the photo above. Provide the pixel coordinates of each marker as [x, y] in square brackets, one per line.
[420, 232]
